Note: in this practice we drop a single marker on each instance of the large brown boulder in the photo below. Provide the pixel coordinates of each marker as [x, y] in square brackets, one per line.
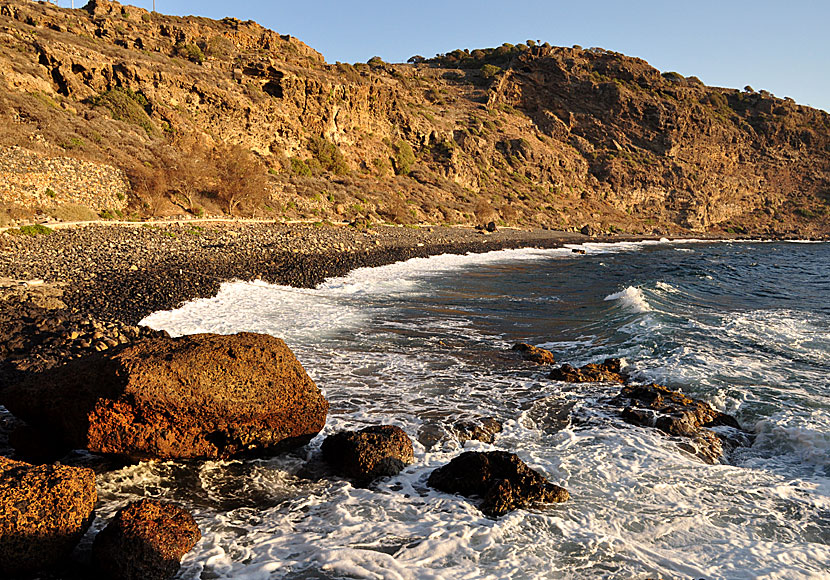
[44, 511]
[370, 453]
[676, 414]
[145, 541]
[608, 371]
[501, 479]
[200, 396]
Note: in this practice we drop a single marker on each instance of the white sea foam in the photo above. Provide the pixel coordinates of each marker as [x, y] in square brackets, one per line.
[632, 298]
[639, 507]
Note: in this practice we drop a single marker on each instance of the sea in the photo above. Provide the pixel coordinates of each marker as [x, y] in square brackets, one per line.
[421, 344]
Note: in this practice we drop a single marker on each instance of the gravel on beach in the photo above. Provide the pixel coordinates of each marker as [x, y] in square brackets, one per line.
[123, 273]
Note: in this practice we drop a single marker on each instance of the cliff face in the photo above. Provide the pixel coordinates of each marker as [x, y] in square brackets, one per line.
[530, 135]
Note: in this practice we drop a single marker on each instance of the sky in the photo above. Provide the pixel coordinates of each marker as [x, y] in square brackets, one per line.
[780, 46]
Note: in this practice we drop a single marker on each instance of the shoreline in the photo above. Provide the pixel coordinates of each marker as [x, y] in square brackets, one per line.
[124, 272]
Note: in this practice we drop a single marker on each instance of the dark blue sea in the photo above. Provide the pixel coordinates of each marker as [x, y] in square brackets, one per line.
[420, 344]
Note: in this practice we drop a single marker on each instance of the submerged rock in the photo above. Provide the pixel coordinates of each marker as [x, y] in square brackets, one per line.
[676, 414]
[501, 479]
[609, 371]
[200, 396]
[467, 428]
[145, 541]
[535, 354]
[482, 429]
[370, 453]
[44, 511]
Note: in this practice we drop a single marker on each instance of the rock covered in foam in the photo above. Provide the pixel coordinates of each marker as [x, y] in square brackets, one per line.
[145, 541]
[44, 511]
[501, 479]
[370, 453]
[608, 371]
[676, 414]
[199, 396]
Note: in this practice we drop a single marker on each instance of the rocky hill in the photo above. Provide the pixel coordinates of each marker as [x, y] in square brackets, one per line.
[208, 116]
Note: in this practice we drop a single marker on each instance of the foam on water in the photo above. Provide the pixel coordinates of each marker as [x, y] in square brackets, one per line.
[632, 298]
[385, 350]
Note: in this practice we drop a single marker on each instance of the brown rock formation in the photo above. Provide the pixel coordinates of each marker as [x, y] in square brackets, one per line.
[200, 396]
[535, 354]
[501, 479]
[369, 453]
[145, 541]
[608, 371]
[540, 135]
[676, 414]
[44, 511]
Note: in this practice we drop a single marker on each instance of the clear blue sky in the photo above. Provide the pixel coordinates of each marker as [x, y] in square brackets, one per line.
[780, 46]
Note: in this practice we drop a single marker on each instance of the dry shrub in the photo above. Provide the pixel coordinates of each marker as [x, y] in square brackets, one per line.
[151, 186]
[72, 212]
[240, 179]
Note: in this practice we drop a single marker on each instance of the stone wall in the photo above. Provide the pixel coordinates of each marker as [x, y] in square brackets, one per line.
[32, 181]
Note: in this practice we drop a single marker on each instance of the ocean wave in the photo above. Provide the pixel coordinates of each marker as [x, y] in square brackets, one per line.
[632, 298]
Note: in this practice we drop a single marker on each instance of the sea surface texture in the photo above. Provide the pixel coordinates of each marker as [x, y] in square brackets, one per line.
[420, 344]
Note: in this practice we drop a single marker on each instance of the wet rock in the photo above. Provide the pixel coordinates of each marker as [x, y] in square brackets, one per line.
[491, 227]
[44, 511]
[200, 396]
[609, 371]
[535, 354]
[482, 429]
[676, 414]
[370, 453]
[145, 541]
[501, 479]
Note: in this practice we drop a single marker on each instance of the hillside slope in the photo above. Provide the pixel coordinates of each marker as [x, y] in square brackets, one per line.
[526, 135]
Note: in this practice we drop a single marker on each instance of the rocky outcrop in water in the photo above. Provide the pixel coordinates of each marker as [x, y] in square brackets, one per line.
[370, 453]
[676, 414]
[535, 354]
[200, 396]
[44, 511]
[145, 541]
[502, 480]
[608, 371]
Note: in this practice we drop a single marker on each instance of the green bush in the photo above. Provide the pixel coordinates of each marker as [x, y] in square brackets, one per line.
[404, 158]
[328, 155]
[299, 167]
[190, 51]
[33, 230]
[489, 71]
[128, 106]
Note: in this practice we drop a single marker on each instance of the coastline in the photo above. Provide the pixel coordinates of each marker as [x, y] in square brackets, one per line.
[121, 272]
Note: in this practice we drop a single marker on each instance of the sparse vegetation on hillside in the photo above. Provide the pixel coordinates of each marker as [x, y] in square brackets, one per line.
[527, 133]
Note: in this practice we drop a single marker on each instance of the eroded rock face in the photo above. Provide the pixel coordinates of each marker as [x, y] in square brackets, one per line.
[145, 541]
[501, 479]
[676, 414]
[370, 453]
[200, 396]
[44, 511]
[535, 354]
[608, 371]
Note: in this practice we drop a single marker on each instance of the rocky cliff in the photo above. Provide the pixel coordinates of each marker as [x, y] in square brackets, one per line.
[527, 134]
